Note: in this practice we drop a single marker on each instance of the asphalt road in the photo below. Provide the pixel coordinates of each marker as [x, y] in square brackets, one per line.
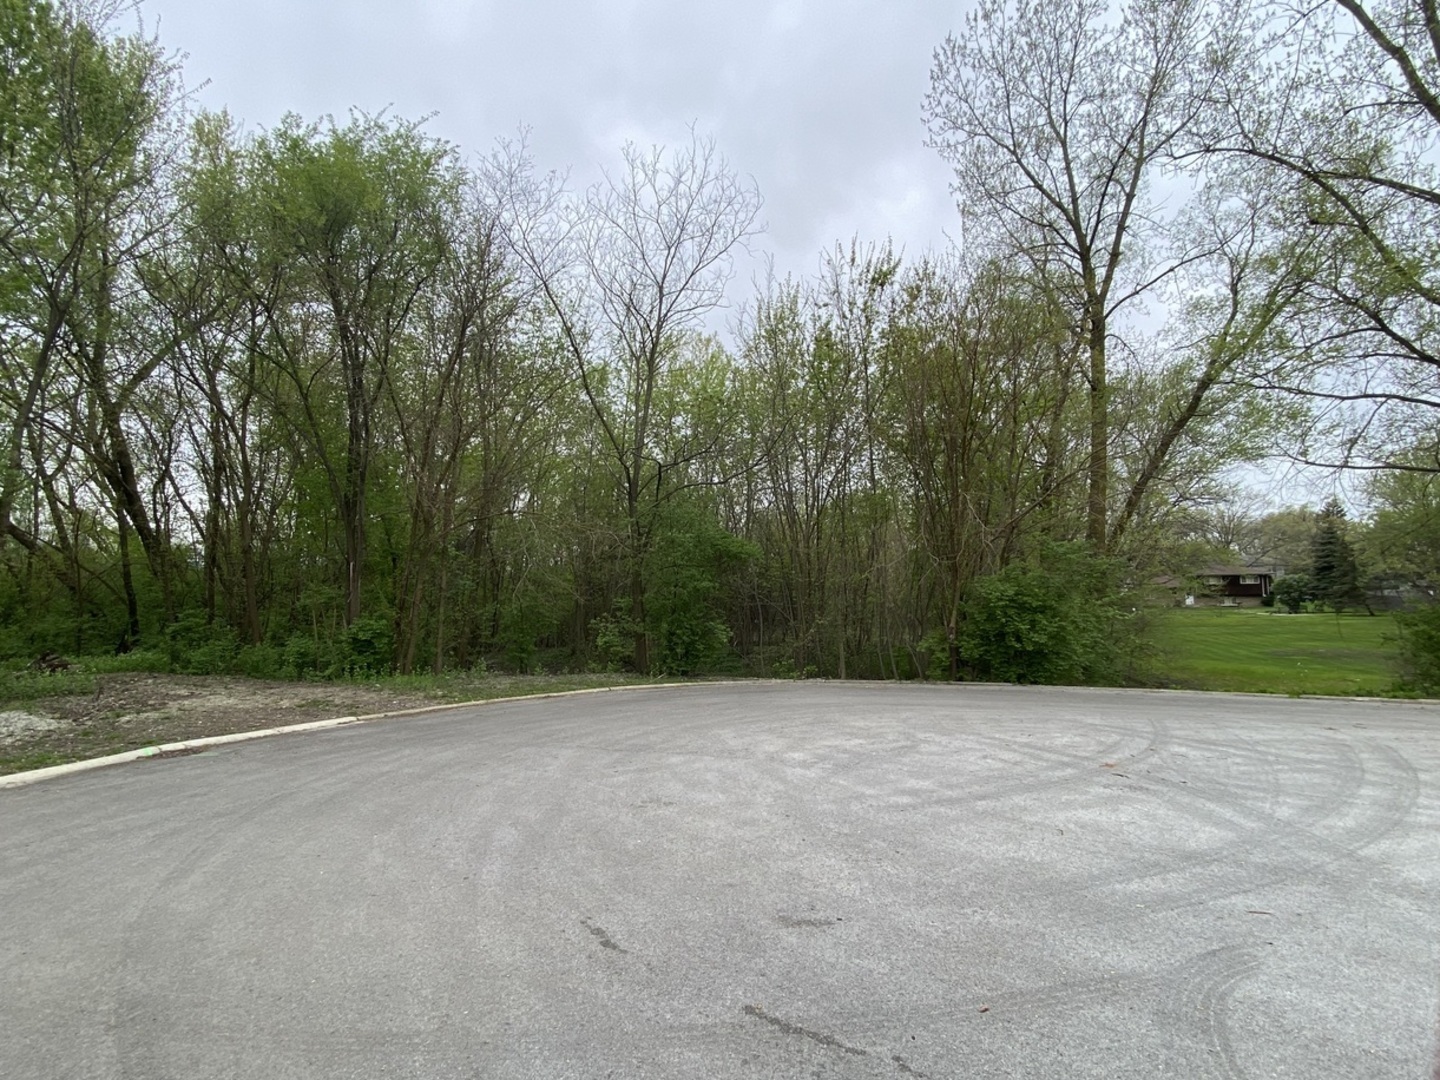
[772, 880]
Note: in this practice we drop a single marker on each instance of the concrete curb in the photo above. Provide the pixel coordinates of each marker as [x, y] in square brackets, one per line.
[35, 776]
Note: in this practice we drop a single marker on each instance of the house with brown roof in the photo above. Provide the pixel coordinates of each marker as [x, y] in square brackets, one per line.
[1237, 585]
[1223, 586]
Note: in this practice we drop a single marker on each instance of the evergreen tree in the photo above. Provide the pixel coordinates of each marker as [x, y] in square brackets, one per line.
[1334, 572]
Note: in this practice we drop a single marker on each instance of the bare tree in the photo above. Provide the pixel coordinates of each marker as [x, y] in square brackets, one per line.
[1056, 118]
[815, 348]
[629, 269]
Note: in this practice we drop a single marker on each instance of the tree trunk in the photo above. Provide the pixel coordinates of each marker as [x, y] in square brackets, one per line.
[132, 605]
[637, 614]
[438, 664]
[253, 630]
[1097, 512]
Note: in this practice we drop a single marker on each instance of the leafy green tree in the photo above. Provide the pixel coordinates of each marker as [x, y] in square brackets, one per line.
[977, 421]
[1339, 103]
[86, 141]
[1180, 416]
[199, 286]
[355, 221]
[694, 565]
[1282, 538]
[818, 349]
[470, 405]
[1403, 541]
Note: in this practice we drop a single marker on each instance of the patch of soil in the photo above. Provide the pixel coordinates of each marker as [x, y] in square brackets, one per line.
[129, 711]
[14, 723]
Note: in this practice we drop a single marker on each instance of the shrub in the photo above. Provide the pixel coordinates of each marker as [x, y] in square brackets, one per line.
[933, 655]
[1056, 620]
[1419, 642]
[690, 642]
[367, 648]
[197, 646]
[1293, 591]
[261, 662]
[615, 636]
[302, 656]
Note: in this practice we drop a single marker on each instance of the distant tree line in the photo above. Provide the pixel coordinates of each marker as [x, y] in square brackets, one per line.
[330, 398]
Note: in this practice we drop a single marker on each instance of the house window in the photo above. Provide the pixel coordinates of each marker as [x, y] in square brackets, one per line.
[1249, 579]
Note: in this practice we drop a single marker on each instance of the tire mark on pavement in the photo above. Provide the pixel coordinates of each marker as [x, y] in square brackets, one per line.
[1207, 985]
[194, 852]
[796, 922]
[907, 1069]
[1394, 794]
[1204, 982]
[1060, 997]
[1043, 769]
[1367, 793]
[828, 1041]
[600, 934]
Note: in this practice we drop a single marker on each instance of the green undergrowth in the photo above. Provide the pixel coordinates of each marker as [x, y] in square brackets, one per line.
[1260, 651]
[23, 684]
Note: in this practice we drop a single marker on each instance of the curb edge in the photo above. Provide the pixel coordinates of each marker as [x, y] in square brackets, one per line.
[51, 772]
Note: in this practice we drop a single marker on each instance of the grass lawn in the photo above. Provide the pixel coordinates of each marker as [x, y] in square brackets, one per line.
[1262, 651]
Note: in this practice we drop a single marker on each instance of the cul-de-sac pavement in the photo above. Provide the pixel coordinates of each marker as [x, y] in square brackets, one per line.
[762, 880]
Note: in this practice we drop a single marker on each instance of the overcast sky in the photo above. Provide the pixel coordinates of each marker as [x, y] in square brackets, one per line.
[818, 101]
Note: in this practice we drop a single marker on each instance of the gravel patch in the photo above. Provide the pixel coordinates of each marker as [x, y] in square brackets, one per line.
[22, 723]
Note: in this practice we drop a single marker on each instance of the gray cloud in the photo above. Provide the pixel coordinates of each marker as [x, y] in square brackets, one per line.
[819, 102]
